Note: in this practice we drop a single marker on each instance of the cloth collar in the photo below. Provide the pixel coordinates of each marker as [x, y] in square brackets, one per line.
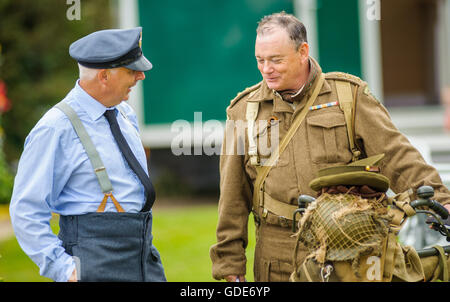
[91, 106]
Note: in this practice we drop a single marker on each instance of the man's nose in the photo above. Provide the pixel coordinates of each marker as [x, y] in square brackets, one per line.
[140, 75]
[267, 67]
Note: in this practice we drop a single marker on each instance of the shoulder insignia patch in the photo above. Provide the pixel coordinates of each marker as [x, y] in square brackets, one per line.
[369, 93]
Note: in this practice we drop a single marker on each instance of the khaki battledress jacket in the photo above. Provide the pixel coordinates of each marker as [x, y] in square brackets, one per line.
[320, 141]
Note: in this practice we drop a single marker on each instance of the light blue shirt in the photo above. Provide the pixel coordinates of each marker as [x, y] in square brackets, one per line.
[56, 175]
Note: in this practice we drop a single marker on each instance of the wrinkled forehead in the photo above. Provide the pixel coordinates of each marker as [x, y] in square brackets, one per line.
[275, 41]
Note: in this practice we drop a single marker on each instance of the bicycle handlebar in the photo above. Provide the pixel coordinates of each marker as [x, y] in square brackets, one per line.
[433, 205]
[425, 193]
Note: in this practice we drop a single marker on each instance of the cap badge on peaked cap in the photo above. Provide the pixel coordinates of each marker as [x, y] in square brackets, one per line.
[358, 173]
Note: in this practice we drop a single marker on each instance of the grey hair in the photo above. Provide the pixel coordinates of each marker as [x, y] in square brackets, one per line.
[88, 74]
[295, 29]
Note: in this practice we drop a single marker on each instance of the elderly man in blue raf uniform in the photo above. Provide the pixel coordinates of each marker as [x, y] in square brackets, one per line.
[85, 161]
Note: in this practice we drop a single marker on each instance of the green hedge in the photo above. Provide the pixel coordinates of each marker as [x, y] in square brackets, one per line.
[34, 59]
[36, 67]
[6, 181]
[6, 178]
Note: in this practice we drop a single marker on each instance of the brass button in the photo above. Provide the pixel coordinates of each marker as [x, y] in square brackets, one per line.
[271, 120]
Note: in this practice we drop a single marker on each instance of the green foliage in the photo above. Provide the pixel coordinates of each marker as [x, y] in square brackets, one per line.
[6, 179]
[34, 61]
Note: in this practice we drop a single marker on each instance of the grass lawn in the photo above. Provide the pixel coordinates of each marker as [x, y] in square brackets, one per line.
[15, 265]
[4, 211]
[183, 236]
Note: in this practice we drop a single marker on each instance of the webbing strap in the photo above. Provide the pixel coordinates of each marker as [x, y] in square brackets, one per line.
[399, 207]
[388, 268]
[346, 101]
[250, 116]
[397, 216]
[442, 263]
[94, 157]
[406, 207]
[403, 200]
[305, 270]
[279, 208]
[262, 173]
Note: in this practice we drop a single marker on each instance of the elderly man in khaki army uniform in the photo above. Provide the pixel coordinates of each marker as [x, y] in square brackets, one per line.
[291, 79]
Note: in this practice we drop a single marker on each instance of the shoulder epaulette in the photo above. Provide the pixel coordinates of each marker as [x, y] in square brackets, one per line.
[243, 93]
[342, 76]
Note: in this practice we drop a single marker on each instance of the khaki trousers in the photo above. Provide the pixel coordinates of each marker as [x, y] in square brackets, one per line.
[274, 252]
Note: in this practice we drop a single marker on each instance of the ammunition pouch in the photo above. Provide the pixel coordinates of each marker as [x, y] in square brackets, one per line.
[263, 215]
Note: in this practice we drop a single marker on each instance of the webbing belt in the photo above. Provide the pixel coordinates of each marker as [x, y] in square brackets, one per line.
[263, 171]
[94, 157]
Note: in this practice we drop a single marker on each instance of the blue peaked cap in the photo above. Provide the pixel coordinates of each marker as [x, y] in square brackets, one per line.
[111, 48]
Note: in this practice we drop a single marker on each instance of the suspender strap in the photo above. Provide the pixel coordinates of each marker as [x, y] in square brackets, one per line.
[102, 206]
[94, 157]
[346, 102]
[258, 193]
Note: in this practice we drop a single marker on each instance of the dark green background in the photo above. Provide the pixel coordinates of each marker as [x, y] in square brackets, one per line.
[339, 36]
[203, 51]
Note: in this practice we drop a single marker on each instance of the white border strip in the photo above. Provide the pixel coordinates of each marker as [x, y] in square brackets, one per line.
[443, 42]
[128, 13]
[306, 12]
[370, 39]
[154, 136]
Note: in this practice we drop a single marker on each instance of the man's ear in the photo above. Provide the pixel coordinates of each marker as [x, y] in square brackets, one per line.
[103, 76]
[304, 51]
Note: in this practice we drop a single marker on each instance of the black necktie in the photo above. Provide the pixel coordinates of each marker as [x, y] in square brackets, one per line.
[131, 159]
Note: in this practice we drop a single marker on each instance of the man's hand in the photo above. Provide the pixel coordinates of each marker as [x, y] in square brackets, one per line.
[447, 206]
[234, 278]
[73, 277]
[447, 221]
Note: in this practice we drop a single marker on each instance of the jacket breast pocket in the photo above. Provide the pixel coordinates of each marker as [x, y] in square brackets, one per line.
[328, 139]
